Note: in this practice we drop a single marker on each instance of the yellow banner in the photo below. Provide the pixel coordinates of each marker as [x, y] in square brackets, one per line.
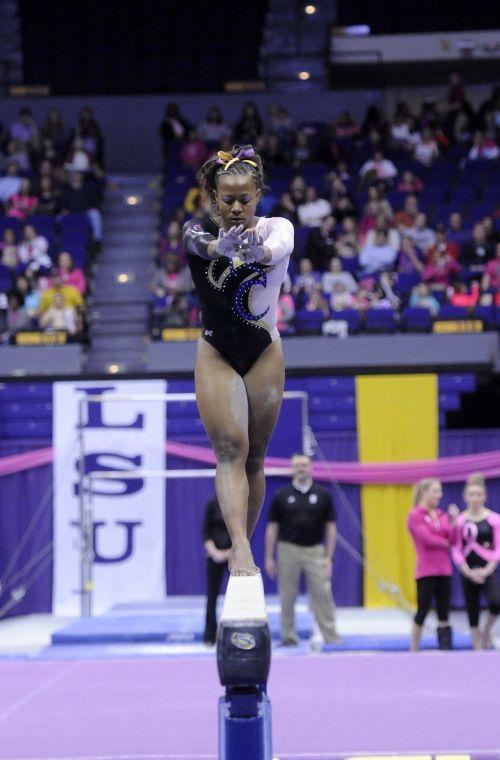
[398, 420]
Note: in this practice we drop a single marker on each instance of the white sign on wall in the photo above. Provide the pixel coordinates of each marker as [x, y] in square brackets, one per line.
[129, 515]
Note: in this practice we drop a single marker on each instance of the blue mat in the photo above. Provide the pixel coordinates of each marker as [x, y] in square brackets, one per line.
[180, 620]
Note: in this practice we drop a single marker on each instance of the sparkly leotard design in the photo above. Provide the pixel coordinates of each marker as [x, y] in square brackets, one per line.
[238, 299]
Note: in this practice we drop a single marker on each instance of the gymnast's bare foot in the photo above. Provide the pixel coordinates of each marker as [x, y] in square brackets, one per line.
[241, 560]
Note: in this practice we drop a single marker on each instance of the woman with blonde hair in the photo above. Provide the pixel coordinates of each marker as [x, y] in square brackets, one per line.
[476, 552]
[433, 532]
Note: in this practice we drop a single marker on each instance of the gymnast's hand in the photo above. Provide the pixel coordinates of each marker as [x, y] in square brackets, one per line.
[253, 248]
[229, 243]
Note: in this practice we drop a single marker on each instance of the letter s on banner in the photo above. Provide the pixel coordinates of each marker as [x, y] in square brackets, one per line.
[129, 515]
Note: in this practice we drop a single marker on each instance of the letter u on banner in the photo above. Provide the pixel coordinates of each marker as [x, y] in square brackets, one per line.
[398, 420]
[129, 515]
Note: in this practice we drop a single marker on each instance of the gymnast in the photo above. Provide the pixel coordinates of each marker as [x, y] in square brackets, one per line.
[238, 262]
[433, 531]
[476, 552]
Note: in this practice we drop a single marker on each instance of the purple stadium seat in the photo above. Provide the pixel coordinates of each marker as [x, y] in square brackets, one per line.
[351, 316]
[462, 383]
[309, 322]
[381, 320]
[453, 312]
[489, 315]
[416, 320]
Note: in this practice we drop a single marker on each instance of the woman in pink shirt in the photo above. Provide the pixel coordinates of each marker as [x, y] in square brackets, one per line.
[476, 552]
[71, 275]
[432, 532]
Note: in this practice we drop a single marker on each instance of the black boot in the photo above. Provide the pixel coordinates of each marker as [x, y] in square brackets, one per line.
[445, 637]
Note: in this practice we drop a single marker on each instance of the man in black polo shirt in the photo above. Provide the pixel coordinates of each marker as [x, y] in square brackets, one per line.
[302, 521]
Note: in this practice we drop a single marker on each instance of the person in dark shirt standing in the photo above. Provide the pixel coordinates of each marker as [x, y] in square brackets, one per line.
[302, 522]
[217, 545]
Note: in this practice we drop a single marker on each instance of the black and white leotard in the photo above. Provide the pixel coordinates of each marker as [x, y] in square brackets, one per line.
[239, 300]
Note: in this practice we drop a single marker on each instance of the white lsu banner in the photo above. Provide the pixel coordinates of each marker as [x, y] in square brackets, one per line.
[129, 515]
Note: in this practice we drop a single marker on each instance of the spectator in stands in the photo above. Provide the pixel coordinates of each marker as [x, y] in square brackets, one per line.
[249, 126]
[369, 219]
[314, 210]
[375, 194]
[17, 317]
[272, 151]
[69, 274]
[10, 183]
[443, 245]
[8, 249]
[25, 129]
[408, 214]
[402, 128]
[491, 233]
[81, 198]
[410, 258]
[173, 276]
[382, 224]
[171, 242]
[377, 169]
[315, 301]
[48, 200]
[286, 208]
[342, 297]
[426, 147]
[336, 275]
[301, 151]
[77, 160]
[306, 280]
[27, 285]
[18, 152]
[440, 271]
[456, 231]
[53, 129]
[23, 203]
[213, 128]
[483, 148]
[476, 254]
[70, 294]
[33, 249]
[345, 128]
[286, 312]
[462, 129]
[491, 277]
[459, 294]
[422, 235]
[377, 256]
[90, 133]
[174, 127]
[410, 183]
[59, 316]
[347, 241]
[422, 298]
[178, 315]
[193, 153]
[320, 246]
[279, 120]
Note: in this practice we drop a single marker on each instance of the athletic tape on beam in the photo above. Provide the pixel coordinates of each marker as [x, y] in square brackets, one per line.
[244, 599]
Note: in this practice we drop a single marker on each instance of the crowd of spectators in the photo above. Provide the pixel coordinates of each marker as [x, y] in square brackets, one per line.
[398, 212]
[51, 184]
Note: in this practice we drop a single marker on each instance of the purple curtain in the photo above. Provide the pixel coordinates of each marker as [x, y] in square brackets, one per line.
[26, 521]
[22, 494]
